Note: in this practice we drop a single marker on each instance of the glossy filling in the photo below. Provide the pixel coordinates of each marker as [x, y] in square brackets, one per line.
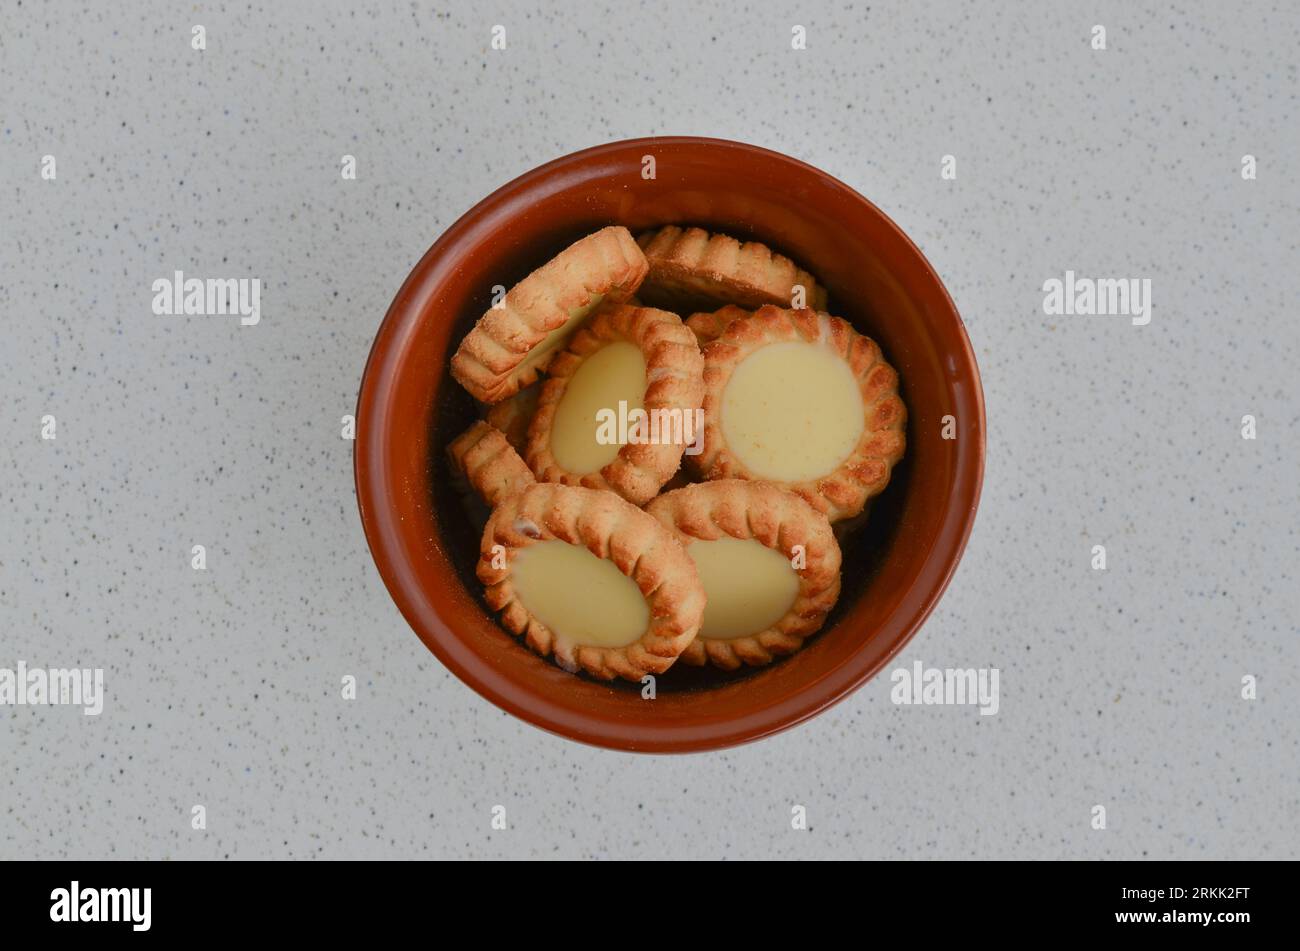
[792, 411]
[583, 599]
[748, 587]
[614, 373]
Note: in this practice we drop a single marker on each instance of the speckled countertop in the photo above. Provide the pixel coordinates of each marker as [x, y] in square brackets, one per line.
[1119, 687]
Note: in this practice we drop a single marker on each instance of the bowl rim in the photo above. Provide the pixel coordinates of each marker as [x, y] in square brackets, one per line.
[369, 470]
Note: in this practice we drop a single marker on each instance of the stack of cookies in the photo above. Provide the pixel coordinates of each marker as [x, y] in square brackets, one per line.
[672, 426]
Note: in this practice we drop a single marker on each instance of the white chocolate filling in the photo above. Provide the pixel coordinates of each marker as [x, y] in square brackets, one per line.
[584, 600]
[792, 411]
[615, 373]
[748, 587]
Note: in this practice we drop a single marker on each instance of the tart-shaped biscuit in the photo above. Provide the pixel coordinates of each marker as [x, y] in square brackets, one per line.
[591, 579]
[708, 326]
[769, 563]
[633, 365]
[692, 270]
[803, 400]
[512, 416]
[482, 459]
[515, 340]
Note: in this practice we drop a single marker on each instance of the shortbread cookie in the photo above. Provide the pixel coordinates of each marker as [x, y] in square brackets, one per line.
[591, 579]
[708, 326]
[692, 270]
[512, 416]
[769, 563]
[624, 361]
[802, 400]
[481, 458]
[514, 341]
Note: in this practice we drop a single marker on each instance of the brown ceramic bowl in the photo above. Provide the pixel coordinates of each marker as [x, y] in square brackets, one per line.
[895, 569]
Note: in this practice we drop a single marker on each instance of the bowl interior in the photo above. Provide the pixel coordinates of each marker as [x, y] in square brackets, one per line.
[895, 567]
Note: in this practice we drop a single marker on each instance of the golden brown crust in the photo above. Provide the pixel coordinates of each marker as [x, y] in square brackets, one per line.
[610, 528]
[674, 381]
[708, 326]
[513, 415]
[482, 458]
[692, 270]
[781, 520]
[865, 473]
[504, 351]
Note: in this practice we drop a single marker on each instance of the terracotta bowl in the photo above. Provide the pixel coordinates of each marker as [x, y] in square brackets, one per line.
[895, 568]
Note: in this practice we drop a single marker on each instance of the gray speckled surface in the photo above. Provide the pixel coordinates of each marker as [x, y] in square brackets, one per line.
[1118, 687]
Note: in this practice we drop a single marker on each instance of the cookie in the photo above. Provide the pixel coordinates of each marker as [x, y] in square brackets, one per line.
[591, 580]
[516, 340]
[708, 326]
[692, 270]
[802, 400]
[482, 459]
[769, 564]
[625, 361]
[513, 415]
